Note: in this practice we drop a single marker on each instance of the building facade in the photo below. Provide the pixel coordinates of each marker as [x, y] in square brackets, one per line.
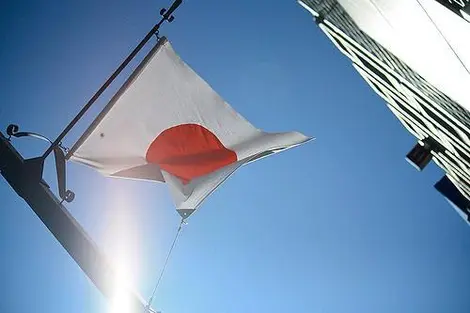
[441, 125]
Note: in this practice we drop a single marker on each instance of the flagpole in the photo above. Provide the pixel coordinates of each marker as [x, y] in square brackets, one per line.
[25, 178]
[166, 15]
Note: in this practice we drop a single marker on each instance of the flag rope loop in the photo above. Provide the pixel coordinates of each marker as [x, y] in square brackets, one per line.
[178, 232]
[64, 148]
[157, 34]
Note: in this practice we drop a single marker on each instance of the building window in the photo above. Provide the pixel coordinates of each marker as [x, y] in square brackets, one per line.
[374, 69]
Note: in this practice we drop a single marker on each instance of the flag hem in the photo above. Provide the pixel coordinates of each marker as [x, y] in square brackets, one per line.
[135, 74]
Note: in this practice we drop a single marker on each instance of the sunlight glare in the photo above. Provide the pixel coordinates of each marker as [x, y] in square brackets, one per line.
[121, 238]
[120, 302]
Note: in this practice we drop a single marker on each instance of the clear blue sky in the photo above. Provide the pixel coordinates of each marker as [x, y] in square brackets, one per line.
[340, 225]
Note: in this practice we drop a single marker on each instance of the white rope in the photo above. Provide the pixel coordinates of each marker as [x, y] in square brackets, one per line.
[149, 304]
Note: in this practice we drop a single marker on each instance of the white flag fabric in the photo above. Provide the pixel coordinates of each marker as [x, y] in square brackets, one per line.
[167, 124]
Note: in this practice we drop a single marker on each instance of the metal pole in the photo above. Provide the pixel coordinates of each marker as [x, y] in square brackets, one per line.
[166, 16]
[25, 177]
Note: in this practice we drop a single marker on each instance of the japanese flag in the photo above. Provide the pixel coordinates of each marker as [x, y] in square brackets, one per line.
[167, 124]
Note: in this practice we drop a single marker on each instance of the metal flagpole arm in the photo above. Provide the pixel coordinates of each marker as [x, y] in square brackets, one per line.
[25, 177]
[166, 16]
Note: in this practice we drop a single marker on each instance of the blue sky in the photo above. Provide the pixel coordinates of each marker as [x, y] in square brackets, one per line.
[343, 224]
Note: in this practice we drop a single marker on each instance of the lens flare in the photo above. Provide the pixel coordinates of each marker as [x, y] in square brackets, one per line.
[122, 245]
[121, 301]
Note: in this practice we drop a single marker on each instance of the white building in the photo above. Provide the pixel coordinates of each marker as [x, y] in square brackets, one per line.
[416, 56]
